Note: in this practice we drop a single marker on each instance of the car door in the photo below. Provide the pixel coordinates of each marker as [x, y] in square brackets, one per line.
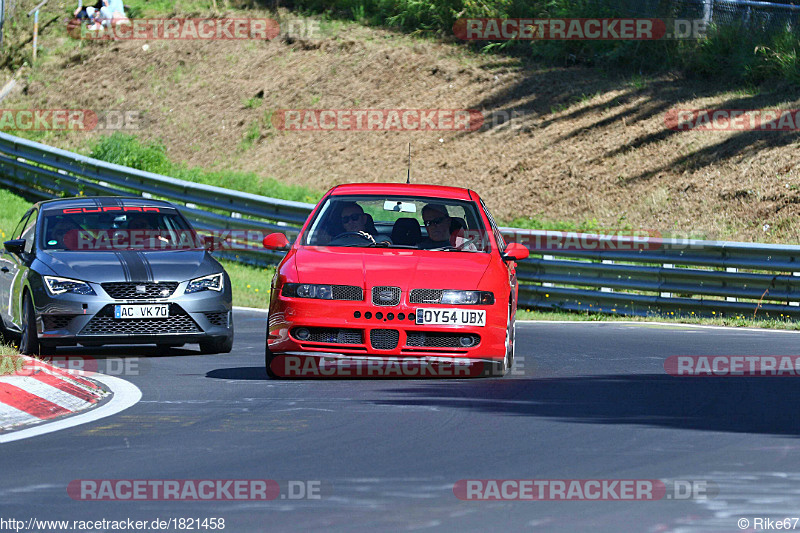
[19, 268]
[8, 271]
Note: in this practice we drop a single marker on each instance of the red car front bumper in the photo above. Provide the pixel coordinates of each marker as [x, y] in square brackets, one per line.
[343, 327]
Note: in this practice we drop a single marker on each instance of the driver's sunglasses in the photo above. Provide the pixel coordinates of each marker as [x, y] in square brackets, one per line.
[435, 221]
[351, 218]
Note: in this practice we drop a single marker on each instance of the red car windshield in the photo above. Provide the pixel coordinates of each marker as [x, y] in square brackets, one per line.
[399, 222]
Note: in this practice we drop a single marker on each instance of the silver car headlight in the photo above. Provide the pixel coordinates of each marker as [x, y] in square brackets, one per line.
[58, 286]
[206, 283]
[467, 298]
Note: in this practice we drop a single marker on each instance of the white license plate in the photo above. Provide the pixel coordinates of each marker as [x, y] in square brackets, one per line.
[452, 317]
[141, 311]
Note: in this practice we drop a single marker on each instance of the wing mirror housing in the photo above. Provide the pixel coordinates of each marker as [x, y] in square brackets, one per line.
[515, 252]
[16, 246]
[275, 241]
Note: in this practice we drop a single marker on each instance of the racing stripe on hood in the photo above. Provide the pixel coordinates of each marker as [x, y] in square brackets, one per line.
[147, 265]
[135, 265]
[124, 265]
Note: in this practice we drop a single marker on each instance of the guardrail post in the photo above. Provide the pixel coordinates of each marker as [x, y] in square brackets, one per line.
[547, 258]
[731, 298]
[708, 11]
[667, 294]
[607, 289]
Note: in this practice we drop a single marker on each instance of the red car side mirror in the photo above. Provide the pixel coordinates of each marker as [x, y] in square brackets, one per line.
[515, 252]
[275, 241]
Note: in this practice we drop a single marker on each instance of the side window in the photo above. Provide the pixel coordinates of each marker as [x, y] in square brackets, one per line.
[29, 232]
[501, 242]
[18, 230]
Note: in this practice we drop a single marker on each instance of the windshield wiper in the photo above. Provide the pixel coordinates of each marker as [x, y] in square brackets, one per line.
[387, 244]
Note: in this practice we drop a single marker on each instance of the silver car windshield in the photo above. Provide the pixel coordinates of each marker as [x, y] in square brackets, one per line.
[160, 229]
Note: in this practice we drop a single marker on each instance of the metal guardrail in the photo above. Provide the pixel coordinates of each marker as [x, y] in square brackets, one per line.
[654, 277]
[669, 277]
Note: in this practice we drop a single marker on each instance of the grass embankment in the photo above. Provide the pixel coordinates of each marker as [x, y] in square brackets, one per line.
[749, 54]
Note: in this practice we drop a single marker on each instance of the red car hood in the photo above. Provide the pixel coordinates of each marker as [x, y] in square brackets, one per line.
[407, 269]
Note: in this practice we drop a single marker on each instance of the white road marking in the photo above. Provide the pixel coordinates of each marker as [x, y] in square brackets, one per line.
[255, 309]
[677, 325]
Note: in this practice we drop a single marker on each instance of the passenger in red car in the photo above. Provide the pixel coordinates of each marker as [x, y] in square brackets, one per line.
[437, 220]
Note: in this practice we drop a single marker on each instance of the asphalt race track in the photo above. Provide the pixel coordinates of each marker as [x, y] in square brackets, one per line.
[585, 401]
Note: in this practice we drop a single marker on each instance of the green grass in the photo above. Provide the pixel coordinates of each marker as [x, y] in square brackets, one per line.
[528, 314]
[252, 103]
[128, 150]
[10, 361]
[250, 284]
[13, 208]
[252, 134]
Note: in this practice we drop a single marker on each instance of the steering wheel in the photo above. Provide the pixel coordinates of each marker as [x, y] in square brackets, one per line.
[467, 243]
[361, 234]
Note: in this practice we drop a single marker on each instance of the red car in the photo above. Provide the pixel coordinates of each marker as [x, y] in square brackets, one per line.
[394, 273]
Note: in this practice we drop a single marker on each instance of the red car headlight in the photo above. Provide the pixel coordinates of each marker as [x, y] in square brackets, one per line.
[467, 298]
[308, 290]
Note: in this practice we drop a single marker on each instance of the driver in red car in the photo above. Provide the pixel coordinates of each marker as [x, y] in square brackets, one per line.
[353, 217]
[352, 220]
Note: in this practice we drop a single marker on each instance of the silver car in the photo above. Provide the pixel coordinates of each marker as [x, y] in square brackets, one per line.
[112, 270]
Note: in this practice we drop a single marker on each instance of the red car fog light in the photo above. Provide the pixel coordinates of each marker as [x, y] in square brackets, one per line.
[302, 334]
[466, 341]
